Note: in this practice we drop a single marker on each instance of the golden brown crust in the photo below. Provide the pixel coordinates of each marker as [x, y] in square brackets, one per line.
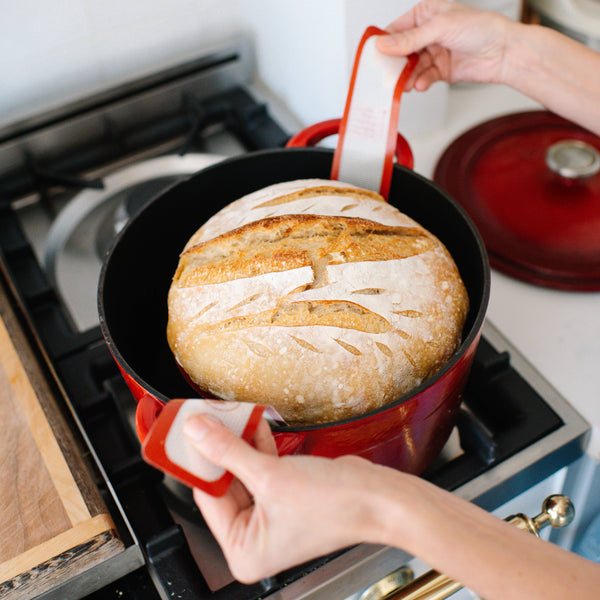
[315, 191]
[324, 308]
[293, 241]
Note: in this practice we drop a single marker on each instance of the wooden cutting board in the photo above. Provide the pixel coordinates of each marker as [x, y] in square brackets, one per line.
[53, 522]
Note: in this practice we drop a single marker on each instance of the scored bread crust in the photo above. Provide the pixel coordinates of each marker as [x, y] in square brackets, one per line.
[316, 297]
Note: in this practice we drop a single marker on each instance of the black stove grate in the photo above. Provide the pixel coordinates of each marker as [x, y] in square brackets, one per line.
[235, 109]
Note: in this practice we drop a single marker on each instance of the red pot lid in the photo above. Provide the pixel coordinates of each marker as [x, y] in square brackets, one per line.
[531, 184]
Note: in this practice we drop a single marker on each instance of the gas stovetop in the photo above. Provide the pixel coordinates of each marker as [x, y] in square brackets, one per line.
[60, 205]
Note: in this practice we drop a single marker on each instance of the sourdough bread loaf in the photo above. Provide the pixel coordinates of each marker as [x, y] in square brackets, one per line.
[316, 297]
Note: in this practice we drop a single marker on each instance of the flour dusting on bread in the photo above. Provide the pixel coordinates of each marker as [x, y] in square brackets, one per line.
[316, 297]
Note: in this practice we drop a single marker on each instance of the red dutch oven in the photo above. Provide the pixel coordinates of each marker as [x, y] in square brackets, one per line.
[406, 434]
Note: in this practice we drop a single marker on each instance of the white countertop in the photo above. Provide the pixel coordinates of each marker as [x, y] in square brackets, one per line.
[558, 332]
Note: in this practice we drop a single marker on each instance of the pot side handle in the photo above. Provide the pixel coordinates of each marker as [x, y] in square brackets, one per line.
[147, 410]
[289, 443]
[312, 135]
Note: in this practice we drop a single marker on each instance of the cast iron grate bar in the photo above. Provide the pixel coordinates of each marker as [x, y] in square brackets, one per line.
[236, 109]
[198, 117]
[502, 415]
[45, 178]
[131, 471]
[12, 239]
[36, 296]
[251, 122]
[96, 408]
[476, 437]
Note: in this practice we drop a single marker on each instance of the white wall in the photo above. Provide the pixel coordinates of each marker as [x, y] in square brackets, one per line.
[306, 52]
[59, 50]
[55, 50]
[300, 53]
[52, 51]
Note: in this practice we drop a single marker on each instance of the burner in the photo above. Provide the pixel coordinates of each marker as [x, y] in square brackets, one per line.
[84, 230]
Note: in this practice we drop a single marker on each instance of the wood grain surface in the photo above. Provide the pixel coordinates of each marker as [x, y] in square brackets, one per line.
[53, 522]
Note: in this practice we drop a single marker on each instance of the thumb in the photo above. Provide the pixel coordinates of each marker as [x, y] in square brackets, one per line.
[222, 447]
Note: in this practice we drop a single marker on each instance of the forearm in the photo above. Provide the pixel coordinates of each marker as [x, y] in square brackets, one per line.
[560, 73]
[292, 509]
[484, 553]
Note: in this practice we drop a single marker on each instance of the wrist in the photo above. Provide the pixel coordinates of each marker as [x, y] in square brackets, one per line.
[394, 509]
[522, 56]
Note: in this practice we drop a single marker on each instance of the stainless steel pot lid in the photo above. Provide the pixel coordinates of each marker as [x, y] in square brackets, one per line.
[83, 231]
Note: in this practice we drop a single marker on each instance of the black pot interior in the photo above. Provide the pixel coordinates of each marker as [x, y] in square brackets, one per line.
[137, 272]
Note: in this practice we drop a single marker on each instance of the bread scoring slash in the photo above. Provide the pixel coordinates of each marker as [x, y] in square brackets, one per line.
[316, 297]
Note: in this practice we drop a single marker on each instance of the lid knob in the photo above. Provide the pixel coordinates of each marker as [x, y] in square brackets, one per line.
[573, 159]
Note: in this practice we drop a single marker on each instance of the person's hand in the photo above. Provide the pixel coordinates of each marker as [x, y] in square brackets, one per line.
[454, 43]
[280, 512]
